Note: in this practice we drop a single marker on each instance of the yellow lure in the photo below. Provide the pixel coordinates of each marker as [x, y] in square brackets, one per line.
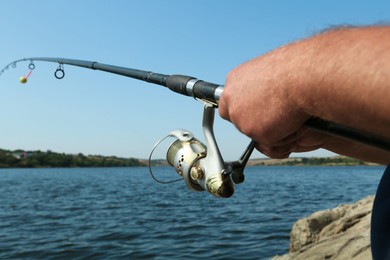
[23, 79]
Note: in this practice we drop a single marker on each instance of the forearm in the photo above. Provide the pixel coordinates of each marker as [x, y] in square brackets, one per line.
[357, 150]
[347, 78]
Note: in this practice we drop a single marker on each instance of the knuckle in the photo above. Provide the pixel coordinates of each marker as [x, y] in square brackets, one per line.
[247, 129]
[276, 152]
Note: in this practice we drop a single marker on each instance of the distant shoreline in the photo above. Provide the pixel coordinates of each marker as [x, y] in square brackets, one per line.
[49, 159]
[310, 161]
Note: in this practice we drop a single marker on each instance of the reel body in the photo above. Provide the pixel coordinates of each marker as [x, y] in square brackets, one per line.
[201, 166]
[188, 158]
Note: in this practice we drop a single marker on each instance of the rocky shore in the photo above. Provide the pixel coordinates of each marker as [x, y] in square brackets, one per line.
[339, 233]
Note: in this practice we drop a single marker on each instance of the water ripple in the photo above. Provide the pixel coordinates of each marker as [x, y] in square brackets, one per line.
[122, 214]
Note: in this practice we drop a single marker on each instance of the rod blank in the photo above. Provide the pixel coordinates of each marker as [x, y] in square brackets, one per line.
[190, 86]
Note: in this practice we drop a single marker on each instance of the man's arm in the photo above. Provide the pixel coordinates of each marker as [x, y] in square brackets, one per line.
[341, 76]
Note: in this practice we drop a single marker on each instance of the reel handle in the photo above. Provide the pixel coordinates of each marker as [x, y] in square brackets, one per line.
[236, 168]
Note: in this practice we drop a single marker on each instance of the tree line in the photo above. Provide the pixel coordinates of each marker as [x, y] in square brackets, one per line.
[40, 159]
[311, 161]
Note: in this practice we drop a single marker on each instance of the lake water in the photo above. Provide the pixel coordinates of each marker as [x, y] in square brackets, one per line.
[121, 213]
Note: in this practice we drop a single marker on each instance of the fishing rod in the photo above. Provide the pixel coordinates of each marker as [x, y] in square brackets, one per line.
[201, 166]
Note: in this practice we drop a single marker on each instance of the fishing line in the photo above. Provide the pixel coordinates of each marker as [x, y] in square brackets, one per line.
[150, 163]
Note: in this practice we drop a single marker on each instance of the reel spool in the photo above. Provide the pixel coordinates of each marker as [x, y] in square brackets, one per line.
[184, 155]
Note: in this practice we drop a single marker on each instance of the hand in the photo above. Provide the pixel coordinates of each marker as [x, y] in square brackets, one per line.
[258, 99]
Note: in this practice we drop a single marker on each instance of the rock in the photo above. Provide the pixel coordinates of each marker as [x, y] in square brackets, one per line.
[339, 233]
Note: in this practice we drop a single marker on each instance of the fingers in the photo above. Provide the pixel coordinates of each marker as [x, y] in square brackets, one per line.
[304, 140]
[282, 152]
[256, 100]
[276, 152]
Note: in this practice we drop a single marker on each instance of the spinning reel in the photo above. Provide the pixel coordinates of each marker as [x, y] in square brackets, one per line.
[201, 166]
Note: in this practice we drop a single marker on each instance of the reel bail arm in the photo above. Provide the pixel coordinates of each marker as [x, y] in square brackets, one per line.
[217, 181]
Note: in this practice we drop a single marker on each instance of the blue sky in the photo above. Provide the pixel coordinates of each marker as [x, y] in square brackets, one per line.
[98, 113]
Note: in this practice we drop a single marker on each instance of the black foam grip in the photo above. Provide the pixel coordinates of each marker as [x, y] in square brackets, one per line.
[177, 83]
[205, 90]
